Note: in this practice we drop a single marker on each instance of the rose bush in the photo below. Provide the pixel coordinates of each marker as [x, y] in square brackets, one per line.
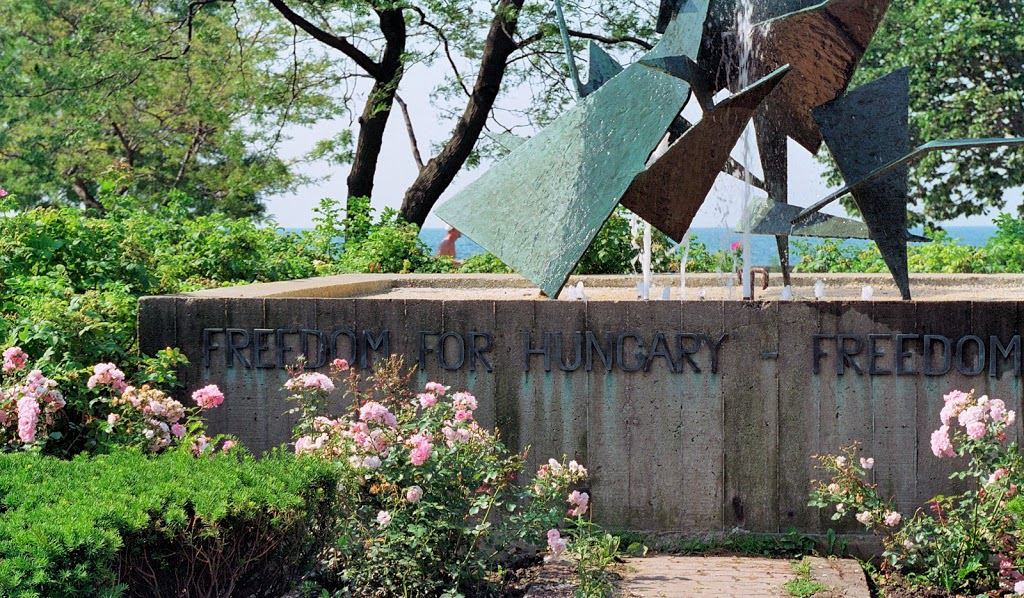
[969, 543]
[33, 412]
[432, 495]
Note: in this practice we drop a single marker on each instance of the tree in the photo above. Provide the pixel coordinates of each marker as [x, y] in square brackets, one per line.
[490, 50]
[966, 64]
[160, 94]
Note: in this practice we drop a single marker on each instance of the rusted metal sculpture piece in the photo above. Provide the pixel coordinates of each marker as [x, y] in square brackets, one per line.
[669, 193]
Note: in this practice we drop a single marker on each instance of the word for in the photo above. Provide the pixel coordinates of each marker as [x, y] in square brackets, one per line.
[915, 354]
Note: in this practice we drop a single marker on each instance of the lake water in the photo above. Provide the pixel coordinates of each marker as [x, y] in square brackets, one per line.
[763, 249]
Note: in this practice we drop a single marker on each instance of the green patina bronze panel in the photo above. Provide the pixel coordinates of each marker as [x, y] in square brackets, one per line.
[540, 208]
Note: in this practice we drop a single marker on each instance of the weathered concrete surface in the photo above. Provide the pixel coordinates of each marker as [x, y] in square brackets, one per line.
[706, 427]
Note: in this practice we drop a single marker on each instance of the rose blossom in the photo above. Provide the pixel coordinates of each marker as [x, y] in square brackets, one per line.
[427, 399]
[840, 462]
[371, 462]
[997, 475]
[14, 359]
[340, 364]
[228, 445]
[383, 518]
[208, 397]
[1018, 588]
[436, 388]
[310, 380]
[556, 543]
[372, 411]
[867, 463]
[178, 430]
[864, 517]
[413, 494]
[892, 518]
[463, 401]
[28, 415]
[976, 430]
[421, 449]
[941, 446]
[108, 374]
[580, 500]
[997, 409]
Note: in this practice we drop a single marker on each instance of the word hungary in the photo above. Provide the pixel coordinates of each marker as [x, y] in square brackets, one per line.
[871, 354]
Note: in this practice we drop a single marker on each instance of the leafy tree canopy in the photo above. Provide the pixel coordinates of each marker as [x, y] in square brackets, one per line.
[165, 94]
[966, 62]
[494, 55]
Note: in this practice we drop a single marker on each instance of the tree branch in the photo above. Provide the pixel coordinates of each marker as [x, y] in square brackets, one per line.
[334, 41]
[412, 133]
[624, 39]
[447, 50]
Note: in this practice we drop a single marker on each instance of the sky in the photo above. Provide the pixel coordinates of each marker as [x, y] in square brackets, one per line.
[397, 170]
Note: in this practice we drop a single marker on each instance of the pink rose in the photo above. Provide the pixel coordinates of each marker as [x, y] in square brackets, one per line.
[413, 494]
[107, 374]
[28, 415]
[867, 463]
[208, 397]
[228, 445]
[463, 401]
[580, 500]
[864, 517]
[997, 475]
[556, 543]
[976, 430]
[340, 364]
[427, 399]
[178, 430]
[941, 446]
[436, 388]
[14, 357]
[892, 518]
[736, 245]
[383, 518]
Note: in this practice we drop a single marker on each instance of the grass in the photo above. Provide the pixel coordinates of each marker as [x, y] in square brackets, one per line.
[803, 585]
[789, 545]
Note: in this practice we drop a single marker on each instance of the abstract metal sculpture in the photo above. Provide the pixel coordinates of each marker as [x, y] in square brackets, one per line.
[541, 207]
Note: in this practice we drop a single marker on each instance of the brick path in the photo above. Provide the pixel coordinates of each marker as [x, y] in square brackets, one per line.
[711, 576]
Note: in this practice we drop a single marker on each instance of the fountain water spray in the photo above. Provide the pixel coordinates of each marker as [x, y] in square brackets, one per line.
[744, 37]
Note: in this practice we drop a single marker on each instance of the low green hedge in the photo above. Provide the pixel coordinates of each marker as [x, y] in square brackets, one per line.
[126, 524]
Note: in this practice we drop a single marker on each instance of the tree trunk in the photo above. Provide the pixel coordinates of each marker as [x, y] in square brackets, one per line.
[439, 172]
[378, 106]
[81, 189]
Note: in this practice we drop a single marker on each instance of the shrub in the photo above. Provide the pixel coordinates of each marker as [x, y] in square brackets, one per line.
[968, 543]
[107, 414]
[433, 504]
[166, 525]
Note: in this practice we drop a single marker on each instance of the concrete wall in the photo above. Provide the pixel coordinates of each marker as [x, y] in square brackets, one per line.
[669, 447]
